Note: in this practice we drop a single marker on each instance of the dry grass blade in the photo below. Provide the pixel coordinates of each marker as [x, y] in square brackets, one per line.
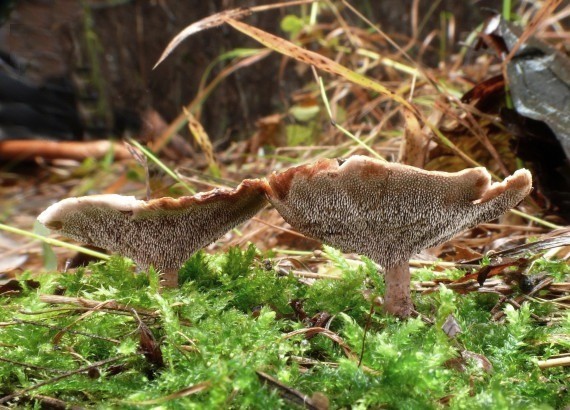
[92, 304]
[546, 10]
[295, 396]
[327, 333]
[289, 49]
[55, 242]
[179, 121]
[335, 338]
[282, 46]
[555, 240]
[196, 388]
[142, 161]
[29, 365]
[218, 19]
[202, 140]
[59, 335]
[204, 24]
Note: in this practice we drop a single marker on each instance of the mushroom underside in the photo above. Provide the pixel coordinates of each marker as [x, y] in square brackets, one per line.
[390, 212]
[162, 233]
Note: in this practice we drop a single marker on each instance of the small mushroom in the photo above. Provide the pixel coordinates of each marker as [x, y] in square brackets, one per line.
[162, 232]
[389, 211]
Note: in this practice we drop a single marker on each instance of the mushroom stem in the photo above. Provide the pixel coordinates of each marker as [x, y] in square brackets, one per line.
[397, 299]
[169, 278]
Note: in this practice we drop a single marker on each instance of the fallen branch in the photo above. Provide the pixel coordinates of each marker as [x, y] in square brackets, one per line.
[27, 149]
[559, 361]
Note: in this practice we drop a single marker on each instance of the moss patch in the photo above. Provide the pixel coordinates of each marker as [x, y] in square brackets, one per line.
[232, 316]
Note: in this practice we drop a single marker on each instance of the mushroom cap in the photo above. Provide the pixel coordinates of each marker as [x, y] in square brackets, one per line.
[389, 211]
[162, 232]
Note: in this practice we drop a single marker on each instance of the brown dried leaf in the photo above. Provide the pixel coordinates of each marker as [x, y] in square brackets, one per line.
[149, 346]
[460, 363]
[204, 24]
[203, 140]
[319, 61]
[414, 149]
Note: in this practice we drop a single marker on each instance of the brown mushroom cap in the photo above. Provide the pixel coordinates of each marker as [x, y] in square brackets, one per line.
[162, 232]
[389, 211]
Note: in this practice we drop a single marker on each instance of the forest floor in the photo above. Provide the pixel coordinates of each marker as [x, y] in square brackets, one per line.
[267, 318]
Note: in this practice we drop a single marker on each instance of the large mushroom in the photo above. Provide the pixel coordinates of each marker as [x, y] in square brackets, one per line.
[389, 211]
[162, 232]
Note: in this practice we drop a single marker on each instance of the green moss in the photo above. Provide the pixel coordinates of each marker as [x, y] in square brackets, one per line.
[231, 317]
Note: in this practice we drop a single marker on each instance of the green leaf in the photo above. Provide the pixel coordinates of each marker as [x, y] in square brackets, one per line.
[304, 113]
[128, 346]
[50, 260]
[292, 24]
[299, 135]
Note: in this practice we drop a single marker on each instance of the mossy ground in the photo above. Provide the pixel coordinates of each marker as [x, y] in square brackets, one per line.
[229, 319]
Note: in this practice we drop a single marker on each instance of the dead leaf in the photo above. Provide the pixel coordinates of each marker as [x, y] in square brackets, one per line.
[451, 327]
[460, 363]
[203, 140]
[204, 24]
[149, 347]
[414, 149]
[319, 61]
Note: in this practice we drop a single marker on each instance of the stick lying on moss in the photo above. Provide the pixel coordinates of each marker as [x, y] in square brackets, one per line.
[162, 232]
[390, 211]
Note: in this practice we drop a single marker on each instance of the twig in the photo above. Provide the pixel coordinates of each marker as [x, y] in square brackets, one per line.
[62, 328]
[560, 361]
[53, 403]
[366, 327]
[31, 366]
[196, 388]
[92, 304]
[6, 399]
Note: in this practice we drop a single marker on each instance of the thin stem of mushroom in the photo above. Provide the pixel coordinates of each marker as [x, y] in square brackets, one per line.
[338, 126]
[390, 63]
[55, 242]
[397, 298]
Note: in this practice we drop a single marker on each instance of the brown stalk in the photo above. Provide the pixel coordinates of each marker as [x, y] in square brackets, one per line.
[84, 369]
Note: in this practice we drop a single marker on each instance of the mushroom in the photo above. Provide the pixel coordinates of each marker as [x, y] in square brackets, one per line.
[389, 211]
[162, 232]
